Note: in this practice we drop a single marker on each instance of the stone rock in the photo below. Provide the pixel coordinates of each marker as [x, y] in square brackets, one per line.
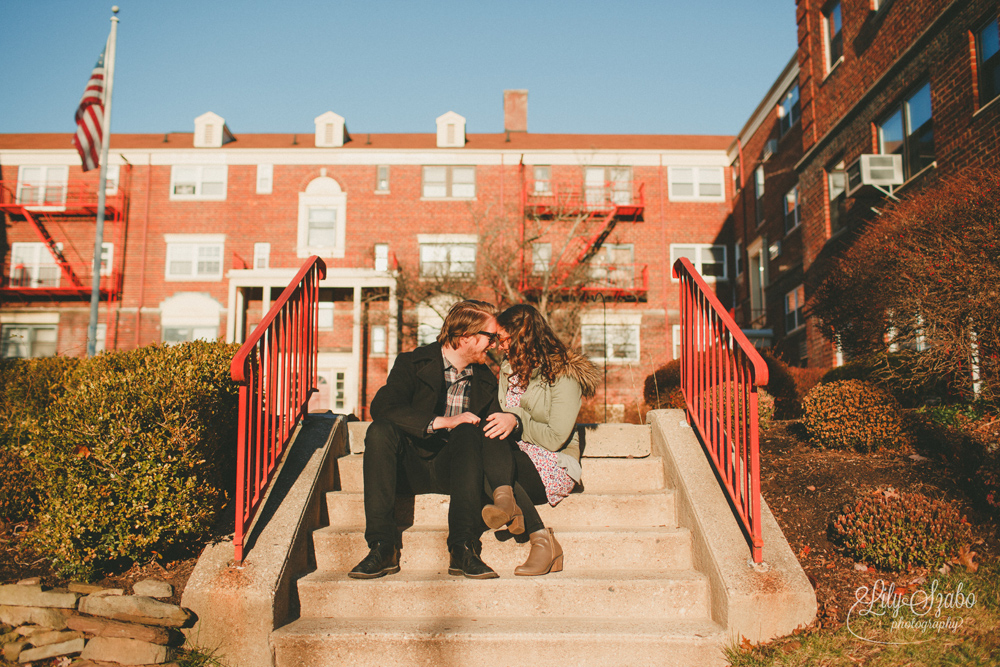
[31, 581]
[52, 637]
[108, 591]
[52, 650]
[105, 628]
[153, 588]
[126, 651]
[12, 651]
[102, 663]
[49, 618]
[85, 589]
[28, 630]
[33, 596]
[9, 637]
[135, 609]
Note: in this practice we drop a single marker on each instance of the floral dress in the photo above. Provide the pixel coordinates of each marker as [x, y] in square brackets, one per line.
[558, 483]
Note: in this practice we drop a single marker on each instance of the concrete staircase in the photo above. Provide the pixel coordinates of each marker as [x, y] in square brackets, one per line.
[629, 593]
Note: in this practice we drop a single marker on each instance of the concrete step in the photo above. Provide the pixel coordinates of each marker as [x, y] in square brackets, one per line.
[586, 548]
[599, 475]
[598, 440]
[415, 593]
[476, 642]
[645, 508]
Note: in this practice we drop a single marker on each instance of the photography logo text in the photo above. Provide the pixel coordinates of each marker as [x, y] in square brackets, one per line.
[926, 610]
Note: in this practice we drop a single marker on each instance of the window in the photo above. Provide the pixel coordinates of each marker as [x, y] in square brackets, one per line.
[834, 40]
[194, 256]
[788, 110]
[709, 260]
[440, 260]
[188, 316]
[735, 171]
[32, 265]
[198, 182]
[378, 340]
[382, 178]
[324, 318]
[794, 301]
[758, 179]
[449, 182]
[339, 390]
[322, 215]
[541, 257]
[988, 54]
[616, 342]
[696, 183]
[111, 179]
[614, 266]
[107, 258]
[757, 276]
[837, 185]
[381, 256]
[430, 318]
[738, 257]
[42, 186]
[28, 340]
[792, 209]
[908, 130]
[265, 179]
[604, 185]
[675, 339]
[543, 180]
[261, 255]
[177, 335]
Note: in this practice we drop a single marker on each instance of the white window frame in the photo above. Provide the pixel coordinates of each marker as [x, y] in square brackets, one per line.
[325, 316]
[265, 179]
[262, 255]
[796, 298]
[41, 259]
[450, 242]
[541, 258]
[378, 340]
[381, 256]
[795, 212]
[53, 180]
[29, 332]
[382, 179]
[196, 314]
[322, 193]
[626, 327]
[178, 244]
[107, 258]
[789, 109]
[197, 178]
[699, 261]
[112, 178]
[542, 180]
[831, 63]
[449, 184]
[738, 258]
[695, 177]
[758, 186]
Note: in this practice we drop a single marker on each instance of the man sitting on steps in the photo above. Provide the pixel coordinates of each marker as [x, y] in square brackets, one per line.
[425, 438]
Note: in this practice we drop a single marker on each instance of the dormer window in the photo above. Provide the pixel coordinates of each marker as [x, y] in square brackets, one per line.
[450, 130]
[331, 130]
[210, 131]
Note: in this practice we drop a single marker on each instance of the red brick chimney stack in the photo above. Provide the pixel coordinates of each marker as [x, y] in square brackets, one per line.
[515, 110]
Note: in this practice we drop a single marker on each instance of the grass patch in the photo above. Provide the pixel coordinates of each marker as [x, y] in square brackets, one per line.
[908, 632]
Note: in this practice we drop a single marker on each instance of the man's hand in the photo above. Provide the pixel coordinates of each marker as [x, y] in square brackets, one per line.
[451, 422]
[500, 425]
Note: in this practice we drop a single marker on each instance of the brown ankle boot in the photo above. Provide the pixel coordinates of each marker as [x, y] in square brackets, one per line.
[546, 555]
[504, 511]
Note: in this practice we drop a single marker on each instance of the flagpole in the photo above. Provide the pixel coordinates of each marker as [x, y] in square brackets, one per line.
[95, 291]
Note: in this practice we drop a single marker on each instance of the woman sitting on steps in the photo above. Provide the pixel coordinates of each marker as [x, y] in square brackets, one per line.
[541, 386]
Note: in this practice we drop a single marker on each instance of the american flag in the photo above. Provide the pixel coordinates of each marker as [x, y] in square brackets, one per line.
[90, 118]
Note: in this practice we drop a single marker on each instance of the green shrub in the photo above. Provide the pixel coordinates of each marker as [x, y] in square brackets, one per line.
[136, 457]
[28, 387]
[663, 387]
[893, 530]
[765, 410]
[853, 414]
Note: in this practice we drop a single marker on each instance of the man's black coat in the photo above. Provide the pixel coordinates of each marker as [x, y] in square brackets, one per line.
[414, 392]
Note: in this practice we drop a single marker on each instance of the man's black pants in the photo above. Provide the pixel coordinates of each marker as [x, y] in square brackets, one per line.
[451, 464]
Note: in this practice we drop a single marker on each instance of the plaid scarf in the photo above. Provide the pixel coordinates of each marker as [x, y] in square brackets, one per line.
[457, 385]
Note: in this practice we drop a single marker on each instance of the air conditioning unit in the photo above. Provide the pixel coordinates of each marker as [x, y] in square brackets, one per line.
[770, 148]
[876, 170]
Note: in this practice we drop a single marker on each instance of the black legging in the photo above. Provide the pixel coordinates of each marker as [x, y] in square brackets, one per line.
[504, 464]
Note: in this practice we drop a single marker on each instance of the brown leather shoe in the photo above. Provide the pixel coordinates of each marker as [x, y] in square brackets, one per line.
[546, 555]
[504, 511]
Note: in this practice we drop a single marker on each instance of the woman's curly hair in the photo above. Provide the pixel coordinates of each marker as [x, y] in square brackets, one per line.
[533, 344]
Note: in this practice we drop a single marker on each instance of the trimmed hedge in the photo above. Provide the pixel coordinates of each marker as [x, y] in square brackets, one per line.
[136, 457]
[853, 414]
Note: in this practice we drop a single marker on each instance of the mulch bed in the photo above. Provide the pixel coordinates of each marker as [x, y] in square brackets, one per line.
[806, 488]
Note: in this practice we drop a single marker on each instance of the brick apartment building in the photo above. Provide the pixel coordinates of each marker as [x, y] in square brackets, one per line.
[206, 228]
[917, 79]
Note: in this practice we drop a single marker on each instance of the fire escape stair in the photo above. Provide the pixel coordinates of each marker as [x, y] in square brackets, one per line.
[53, 248]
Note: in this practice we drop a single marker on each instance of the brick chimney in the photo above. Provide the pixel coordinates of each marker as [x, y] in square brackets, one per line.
[515, 110]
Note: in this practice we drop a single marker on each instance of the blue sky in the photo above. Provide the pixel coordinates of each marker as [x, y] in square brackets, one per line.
[626, 67]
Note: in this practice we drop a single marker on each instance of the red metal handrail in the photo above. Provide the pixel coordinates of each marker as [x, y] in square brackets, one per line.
[276, 370]
[720, 374]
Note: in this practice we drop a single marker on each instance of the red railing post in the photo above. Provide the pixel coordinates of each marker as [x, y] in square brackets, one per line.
[276, 368]
[720, 374]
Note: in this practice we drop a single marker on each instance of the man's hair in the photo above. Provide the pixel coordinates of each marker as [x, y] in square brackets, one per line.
[464, 319]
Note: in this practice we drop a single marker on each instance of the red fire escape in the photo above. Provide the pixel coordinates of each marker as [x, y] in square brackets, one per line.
[600, 207]
[63, 215]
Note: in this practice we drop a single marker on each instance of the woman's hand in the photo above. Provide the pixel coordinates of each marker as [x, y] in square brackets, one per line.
[500, 425]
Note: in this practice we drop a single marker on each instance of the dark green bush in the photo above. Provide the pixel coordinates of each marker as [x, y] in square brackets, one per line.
[893, 530]
[136, 457]
[896, 373]
[853, 414]
[28, 387]
[663, 387]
